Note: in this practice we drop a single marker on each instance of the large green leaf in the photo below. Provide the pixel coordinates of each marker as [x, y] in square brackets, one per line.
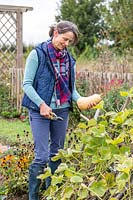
[126, 165]
[82, 125]
[124, 149]
[121, 180]
[121, 117]
[68, 173]
[46, 174]
[76, 179]
[99, 188]
[114, 149]
[67, 193]
[105, 153]
[57, 179]
[110, 179]
[91, 122]
[82, 193]
[115, 141]
[62, 167]
[86, 138]
[98, 131]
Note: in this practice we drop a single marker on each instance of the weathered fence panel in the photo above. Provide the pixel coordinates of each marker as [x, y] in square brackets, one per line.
[98, 80]
[16, 75]
[95, 81]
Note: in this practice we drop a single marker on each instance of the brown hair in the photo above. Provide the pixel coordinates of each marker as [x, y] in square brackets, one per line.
[63, 27]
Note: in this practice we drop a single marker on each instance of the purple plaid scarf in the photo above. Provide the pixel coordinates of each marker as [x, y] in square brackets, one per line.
[62, 91]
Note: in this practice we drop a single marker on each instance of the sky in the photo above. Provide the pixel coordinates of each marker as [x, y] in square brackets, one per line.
[36, 23]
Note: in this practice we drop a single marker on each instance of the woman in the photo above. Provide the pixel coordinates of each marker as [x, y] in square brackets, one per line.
[49, 86]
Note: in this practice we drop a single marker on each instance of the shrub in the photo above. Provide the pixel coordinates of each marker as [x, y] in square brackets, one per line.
[7, 109]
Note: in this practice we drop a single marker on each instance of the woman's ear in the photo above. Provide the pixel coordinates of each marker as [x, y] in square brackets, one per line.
[56, 33]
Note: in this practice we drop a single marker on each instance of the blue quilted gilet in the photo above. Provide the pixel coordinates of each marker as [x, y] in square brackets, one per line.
[45, 79]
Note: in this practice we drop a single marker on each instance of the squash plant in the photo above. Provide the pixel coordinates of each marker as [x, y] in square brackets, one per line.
[97, 161]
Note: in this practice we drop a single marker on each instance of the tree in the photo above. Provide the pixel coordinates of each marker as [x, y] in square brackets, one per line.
[87, 16]
[119, 18]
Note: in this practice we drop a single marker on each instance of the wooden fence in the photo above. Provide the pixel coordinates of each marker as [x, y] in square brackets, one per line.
[98, 81]
[16, 78]
[94, 80]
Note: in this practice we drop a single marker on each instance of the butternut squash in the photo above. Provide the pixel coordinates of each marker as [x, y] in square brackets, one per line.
[83, 102]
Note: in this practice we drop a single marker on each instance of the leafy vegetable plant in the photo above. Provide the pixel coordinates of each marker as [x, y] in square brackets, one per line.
[97, 161]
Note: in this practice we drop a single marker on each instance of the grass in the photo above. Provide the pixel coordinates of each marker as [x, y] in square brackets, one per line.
[10, 128]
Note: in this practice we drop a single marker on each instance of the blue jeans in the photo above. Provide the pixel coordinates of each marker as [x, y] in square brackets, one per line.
[48, 135]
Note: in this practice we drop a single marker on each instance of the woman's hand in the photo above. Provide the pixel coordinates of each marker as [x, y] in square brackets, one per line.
[91, 105]
[45, 110]
[85, 103]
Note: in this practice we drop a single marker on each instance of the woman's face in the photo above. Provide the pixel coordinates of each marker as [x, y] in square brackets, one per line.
[61, 41]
